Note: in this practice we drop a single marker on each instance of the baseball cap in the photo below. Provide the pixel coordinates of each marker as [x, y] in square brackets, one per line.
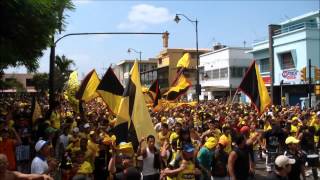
[75, 130]
[39, 145]
[188, 148]
[211, 143]
[292, 140]
[282, 161]
[244, 129]
[86, 125]
[223, 141]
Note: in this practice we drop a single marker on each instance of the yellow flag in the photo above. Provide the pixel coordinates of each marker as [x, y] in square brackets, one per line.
[184, 61]
[36, 112]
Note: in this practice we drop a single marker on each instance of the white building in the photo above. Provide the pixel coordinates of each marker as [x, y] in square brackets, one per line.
[221, 71]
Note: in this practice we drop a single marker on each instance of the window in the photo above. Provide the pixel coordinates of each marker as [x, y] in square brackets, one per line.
[264, 65]
[29, 82]
[10, 79]
[236, 72]
[224, 73]
[286, 60]
[215, 74]
[201, 73]
[160, 61]
[154, 67]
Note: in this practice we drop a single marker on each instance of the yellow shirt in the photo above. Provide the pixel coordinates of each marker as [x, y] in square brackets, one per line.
[188, 172]
[173, 136]
[55, 120]
[162, 137]
[85, 168]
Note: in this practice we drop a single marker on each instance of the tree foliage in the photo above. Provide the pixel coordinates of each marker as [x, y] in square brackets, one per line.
[40, 82]
[62, 70]
[27, 28]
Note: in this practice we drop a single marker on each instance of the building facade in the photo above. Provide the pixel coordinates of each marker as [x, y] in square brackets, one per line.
[23, 78]
[222, 70]
[295, 42]
[147, 69]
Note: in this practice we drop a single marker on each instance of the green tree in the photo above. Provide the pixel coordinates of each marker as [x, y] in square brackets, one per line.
[40, 82]
[27, 28]
[12, 83]
[63, 69]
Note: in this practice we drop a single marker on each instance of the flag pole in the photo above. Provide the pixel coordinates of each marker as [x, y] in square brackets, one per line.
[234, 95]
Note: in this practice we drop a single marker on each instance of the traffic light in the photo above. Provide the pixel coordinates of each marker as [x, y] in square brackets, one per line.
[317, 74]
[303, 74]
[317, 89]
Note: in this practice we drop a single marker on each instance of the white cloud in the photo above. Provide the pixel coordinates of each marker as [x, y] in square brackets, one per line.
[143, 15]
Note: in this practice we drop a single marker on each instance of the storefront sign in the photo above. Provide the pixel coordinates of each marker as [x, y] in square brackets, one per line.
[289, 74]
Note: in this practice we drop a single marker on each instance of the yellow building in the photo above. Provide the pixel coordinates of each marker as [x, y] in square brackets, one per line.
[167, 66]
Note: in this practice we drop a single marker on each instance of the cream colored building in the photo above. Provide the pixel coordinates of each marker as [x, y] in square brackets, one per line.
[23, 78]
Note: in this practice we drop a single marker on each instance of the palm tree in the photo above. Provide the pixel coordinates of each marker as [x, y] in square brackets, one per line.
[63, 70]
[64, 64]
[60, 7]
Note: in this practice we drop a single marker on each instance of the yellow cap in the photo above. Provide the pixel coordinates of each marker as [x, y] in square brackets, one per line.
[292, 140]
[211, 143]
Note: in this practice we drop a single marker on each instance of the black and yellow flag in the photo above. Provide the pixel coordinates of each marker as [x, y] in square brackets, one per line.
[110, 89]
[253, 86]
[179, 88]
[88, 87]
[154, 90]
[133, 113]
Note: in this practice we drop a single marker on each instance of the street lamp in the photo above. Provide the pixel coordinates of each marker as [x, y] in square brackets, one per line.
[131, 49]
[177, 20]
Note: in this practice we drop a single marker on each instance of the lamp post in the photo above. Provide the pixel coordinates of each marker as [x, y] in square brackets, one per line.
[136, 51]
[177, 19]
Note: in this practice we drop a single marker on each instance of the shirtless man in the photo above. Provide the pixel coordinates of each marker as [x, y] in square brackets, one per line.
[5, 174]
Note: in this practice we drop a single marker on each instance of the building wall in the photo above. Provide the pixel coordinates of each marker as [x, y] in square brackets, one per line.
[220, 59]
[22, 78]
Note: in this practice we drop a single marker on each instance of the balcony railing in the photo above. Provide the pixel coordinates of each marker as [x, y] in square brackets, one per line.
[296, 27]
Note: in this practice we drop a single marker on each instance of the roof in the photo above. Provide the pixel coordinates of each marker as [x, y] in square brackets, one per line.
[226, 48]
[150, 61]
[303, 16]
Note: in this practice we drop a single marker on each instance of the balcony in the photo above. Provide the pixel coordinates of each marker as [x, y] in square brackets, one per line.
[304, 25]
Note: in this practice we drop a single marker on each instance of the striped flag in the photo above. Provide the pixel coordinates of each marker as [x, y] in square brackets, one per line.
[253, 86]
[87, 90]
[180, 87]
[154, 90]
[110, 89]
[133, 113]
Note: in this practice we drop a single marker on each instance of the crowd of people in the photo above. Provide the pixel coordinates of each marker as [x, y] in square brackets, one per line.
[210, 140]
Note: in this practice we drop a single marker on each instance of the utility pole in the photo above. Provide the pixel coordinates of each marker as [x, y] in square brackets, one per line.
[310, 83]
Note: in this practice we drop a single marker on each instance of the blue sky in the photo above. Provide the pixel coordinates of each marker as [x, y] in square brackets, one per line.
[227, 22]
